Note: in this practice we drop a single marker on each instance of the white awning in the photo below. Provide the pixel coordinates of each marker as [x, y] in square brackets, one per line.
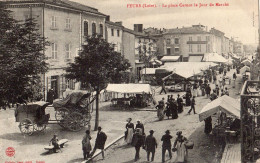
[195, 58]
[214, 57]
[188, 69]
[129, 88]
[170, 58]
[224, 103]
[244, 69]
[247, 62]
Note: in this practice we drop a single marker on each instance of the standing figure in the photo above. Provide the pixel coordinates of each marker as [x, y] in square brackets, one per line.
[226, 91]
[222, 92]
[192, 106]
[160, 109]
[208, 90]
[138, 142]
[150, 145]
[213, 96]
[195, 91]
[54, 141]
[168, 111]
[187, 98]
[208, 125]
[129, 131]
[140, 126]
[50, 96]
[166, 145]
[180, 104]
[86, 145]
[100, 142]
[180, 145]
[217, 90]
[173, 109]
[163, 88]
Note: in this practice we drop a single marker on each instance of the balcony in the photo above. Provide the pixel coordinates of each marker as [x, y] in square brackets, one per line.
[197, 42]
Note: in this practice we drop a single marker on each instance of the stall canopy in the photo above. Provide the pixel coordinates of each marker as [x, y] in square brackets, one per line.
[214, 57]
[229, 61]
[224, 104]
[188, 69]
[246, 62]
[170, 58]
[129, 88]
[244, 69]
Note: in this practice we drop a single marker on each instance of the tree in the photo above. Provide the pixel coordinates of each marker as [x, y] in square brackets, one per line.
[22, 59]
[97, 65]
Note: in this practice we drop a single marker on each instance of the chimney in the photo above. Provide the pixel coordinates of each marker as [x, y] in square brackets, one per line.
[108, 18]
[138, 27]
[120, 23]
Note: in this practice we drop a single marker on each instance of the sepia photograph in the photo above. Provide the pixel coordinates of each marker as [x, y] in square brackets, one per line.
[125, 81]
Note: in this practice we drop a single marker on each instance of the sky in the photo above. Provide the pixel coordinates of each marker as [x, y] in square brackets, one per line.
[235, 20]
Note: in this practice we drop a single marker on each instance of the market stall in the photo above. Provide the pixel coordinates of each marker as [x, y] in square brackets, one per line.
[135, 95]
[227, 111]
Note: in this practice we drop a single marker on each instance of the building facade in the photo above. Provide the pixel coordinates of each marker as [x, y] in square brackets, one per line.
[65, 24]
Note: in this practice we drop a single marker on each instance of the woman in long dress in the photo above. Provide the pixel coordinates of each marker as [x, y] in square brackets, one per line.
[129, 131]
[180, 145]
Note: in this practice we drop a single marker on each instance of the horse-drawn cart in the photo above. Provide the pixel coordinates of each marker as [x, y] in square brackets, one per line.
[72, 113]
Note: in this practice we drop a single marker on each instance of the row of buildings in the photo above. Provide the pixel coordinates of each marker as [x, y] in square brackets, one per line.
[66, 24]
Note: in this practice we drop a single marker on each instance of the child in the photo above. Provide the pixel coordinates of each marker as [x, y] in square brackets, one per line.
[54, 142]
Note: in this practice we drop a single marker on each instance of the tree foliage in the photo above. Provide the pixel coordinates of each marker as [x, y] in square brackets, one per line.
[98, 64]
[22, 59]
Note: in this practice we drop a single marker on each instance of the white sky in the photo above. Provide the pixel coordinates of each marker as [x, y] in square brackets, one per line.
[235, 20]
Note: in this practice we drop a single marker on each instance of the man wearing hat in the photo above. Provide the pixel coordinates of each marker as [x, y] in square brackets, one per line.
[150, 145]
[166, 145]
[139, 125]
[100, 142]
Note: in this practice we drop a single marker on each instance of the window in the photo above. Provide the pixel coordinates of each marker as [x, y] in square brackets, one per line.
[190, 38]
[68, 51]
[53, 51]
[176, 40]
[118, 33]
[112, 32]
[177, 49]
[199, 38]
[199, 48]
[207, 38]
[53, 22]
[208, 48]
[101, 29]
[168, 51]
[94, 30]
[190, 48]
[85, 28]
[68, 23]
[168, 41]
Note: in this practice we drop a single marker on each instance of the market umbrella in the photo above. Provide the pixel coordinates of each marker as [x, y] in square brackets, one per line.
[224, 104]
[244, 69]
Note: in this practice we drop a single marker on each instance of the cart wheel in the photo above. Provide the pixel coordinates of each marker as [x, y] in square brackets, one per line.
[74, 121]
[26, 126]
[39, 127]
[60, 116]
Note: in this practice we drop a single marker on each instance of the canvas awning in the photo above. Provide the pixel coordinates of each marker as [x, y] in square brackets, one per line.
[224, 104]
[188, 69]
[170, 58]
[246, 62]
[244, 69]
[195, 58]
[129, 88]
[214, 57]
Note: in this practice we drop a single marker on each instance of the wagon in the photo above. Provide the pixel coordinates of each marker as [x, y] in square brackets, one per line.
[72, 113]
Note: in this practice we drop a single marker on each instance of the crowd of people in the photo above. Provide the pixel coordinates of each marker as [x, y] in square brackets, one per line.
[136, 137]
